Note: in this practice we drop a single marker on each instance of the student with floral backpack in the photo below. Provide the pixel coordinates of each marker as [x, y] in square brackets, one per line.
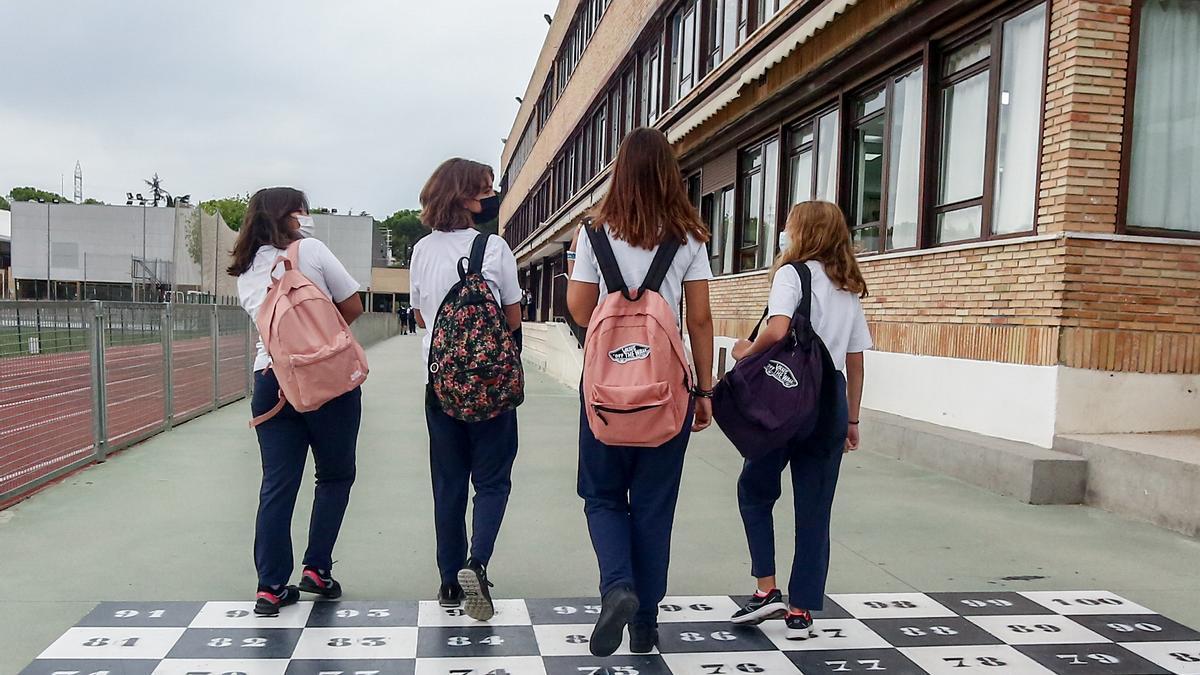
[466, 294]
[636, 259]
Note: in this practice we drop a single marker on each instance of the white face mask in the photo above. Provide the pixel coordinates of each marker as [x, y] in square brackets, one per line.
[785, 240]
[307, 227]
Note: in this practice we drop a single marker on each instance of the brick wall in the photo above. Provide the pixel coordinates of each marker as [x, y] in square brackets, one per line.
[1085, 113]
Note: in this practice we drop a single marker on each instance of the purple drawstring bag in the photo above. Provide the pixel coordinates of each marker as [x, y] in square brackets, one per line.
[769, 398]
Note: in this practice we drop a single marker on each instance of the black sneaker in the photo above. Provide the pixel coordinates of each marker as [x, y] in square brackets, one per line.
[478, 599]
[450, 595]
[800, 626]
[616, 609]
[643, 638]
[320, 582]
[759, 609]
[268, 602]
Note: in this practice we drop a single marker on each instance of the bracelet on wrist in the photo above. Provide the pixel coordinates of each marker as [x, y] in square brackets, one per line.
[854, 422]
[702, 393]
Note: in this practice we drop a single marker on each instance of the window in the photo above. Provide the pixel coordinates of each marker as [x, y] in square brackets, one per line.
[1165, 145]
[718, 212]
[767, 9]
[722, 33]
[685, 32]
[758, 175]
[651, 84]
[816, 136]
[867, 173]
[599, 140]
[990, 96]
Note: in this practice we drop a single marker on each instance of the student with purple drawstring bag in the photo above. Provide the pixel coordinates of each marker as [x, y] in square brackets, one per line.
[787, 403]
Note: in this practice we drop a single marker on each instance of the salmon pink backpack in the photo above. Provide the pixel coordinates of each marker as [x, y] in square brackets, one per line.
[636, 379]
[313, 353]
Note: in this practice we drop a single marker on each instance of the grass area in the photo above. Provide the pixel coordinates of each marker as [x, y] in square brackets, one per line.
[16, 342]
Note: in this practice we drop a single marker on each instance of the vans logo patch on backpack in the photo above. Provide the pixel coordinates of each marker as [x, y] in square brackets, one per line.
[630, 352]
[782, 374]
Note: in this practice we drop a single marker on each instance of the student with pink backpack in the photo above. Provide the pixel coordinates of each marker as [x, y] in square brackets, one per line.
[307, 373]
[640, 399]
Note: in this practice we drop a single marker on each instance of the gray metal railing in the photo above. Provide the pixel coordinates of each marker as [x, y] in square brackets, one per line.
[79, 380]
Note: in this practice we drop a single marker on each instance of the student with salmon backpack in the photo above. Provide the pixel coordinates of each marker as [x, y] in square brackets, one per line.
[307, 373]
[466, 294]
[640, 254]
[816, 272]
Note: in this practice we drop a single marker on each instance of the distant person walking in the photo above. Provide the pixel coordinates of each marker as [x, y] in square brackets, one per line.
[277, 218]
[402, 317]
[411, 318]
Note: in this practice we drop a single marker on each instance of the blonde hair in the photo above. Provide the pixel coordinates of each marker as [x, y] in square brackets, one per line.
[817, 231]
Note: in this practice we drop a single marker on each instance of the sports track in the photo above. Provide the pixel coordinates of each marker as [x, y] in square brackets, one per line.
[46, 413]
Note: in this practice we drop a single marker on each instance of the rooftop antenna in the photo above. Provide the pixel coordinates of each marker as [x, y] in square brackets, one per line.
[78, 183]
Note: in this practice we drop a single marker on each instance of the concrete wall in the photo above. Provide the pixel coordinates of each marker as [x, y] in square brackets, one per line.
[88, 243]
[389, 280]
[349, 237]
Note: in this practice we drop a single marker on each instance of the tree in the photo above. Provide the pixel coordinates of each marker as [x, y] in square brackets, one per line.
[29, 194]
[97, 202]
[406, 228]
[4, 205]
[232, 209]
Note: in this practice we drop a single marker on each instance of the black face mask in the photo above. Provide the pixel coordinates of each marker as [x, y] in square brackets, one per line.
[491, 209]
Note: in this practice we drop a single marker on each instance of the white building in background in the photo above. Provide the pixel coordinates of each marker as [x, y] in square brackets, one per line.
[72, 252]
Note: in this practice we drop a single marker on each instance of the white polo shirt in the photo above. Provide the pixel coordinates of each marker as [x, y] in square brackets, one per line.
[836, 315]
[434, 271]
[690, 264]
[317, 263]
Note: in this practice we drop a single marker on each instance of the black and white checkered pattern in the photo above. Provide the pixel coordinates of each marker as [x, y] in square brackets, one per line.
[999, 633]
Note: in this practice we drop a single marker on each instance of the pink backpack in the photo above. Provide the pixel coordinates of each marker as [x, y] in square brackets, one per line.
[636, 378]
[314, 355]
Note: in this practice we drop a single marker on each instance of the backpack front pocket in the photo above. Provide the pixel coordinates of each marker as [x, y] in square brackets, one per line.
[327, 373]
[630, 414]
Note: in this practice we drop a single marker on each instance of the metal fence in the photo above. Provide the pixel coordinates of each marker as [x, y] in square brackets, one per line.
[79, 380]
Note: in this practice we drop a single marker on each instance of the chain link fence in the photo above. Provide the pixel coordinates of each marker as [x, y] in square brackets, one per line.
[79, 380]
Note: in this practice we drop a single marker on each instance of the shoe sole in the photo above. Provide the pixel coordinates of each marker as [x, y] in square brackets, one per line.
[476, 603]
[610, 628]
[449, 604]
[273, 610]
[799, 635]
[775, 610]
[309, 587]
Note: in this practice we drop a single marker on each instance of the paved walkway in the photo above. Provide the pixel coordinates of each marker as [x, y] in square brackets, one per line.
[172, 519]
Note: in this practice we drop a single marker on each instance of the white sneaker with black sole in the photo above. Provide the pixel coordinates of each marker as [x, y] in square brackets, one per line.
[761, 608]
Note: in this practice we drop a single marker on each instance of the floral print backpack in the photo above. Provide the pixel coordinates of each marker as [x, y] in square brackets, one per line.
[474, 363]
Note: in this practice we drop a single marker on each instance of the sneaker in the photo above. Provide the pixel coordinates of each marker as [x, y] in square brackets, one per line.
[616, 609]
[268, 602]
[478, 599]
[760, 608]
[450, 595]
[800, 626]
[643, 638]
[320, 582]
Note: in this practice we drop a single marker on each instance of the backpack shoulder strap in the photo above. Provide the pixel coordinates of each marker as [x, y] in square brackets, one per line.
[805, 275]
[609, 270]
[293, 254]
[661, 265]
[474, 263]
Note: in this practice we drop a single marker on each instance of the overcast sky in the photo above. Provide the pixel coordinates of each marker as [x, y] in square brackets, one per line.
[354, 101]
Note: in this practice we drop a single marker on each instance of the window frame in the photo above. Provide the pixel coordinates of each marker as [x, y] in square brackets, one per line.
[741, 194]
[1123, 184]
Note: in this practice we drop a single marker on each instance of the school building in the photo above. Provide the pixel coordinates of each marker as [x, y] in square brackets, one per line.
[1022, 179]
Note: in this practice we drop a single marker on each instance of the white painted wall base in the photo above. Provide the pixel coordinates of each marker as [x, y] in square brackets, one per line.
[1101, 402]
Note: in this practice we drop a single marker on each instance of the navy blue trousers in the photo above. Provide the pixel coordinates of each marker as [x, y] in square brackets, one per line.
[629, 497]
[332, 433]
[462, 454]
[815, 462]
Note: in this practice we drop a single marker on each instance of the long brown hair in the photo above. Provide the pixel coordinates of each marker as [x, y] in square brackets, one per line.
[646, 202]
[266, 222]
[455, 181]
[817, 231]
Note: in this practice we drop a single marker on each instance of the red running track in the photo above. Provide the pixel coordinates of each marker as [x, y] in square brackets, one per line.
[46, 401]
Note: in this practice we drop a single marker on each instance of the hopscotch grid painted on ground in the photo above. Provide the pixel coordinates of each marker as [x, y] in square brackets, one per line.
[1005, 633]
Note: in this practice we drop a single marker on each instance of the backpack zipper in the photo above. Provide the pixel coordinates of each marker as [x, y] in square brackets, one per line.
[604, 409]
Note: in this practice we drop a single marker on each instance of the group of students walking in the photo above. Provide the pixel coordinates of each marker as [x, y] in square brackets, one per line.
[640, 277]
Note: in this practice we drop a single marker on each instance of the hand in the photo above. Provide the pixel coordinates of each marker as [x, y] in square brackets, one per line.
[703, 417]
[740, 349]
[851, 438]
